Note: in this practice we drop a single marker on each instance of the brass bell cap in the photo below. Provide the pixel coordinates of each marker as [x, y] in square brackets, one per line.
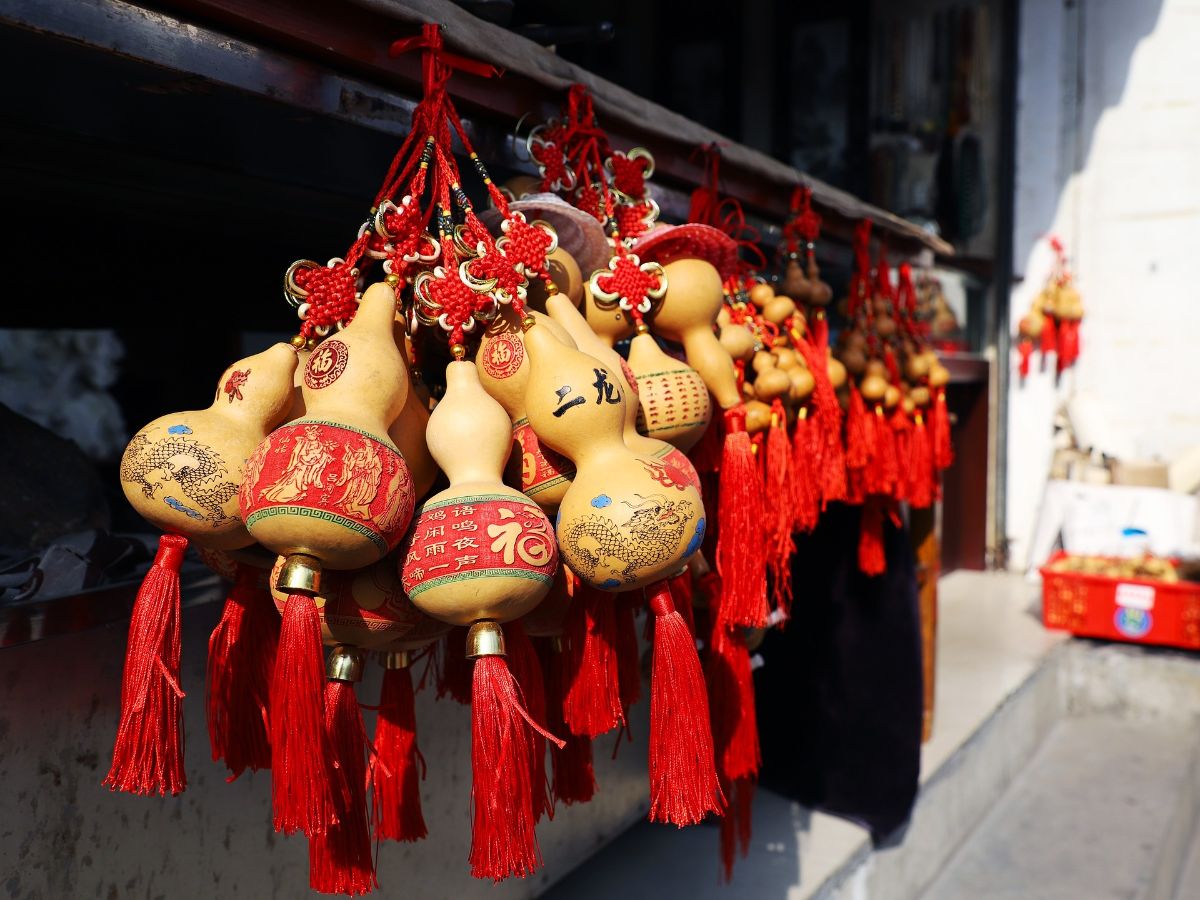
[485, 639]
[299, 574]
[345, 663]
[395, 659]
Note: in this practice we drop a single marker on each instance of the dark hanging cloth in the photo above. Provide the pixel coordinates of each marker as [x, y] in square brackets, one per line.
[840, 697]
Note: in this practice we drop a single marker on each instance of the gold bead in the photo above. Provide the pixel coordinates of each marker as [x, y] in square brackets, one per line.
[392, 279]
[300, 574]
[528, 322]
[458, 351]
[298, 341]
[345, 663]
[485, 639]
[310, 344]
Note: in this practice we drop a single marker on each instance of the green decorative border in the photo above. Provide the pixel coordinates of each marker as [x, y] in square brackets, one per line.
[419, 589]
[469, 499]
[546, 485]
[324, 516]
[386, 442]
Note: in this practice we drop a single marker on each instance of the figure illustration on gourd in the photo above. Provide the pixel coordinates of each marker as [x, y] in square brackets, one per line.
[182, 472]
[329, 490]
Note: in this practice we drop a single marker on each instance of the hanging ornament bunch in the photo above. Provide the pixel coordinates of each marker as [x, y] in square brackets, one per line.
[897, 424]
[1052, 323]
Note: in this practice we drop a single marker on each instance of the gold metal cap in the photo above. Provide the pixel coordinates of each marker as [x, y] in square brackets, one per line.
[395, 659]
[299, 574]
[485, 639]
[345, 664]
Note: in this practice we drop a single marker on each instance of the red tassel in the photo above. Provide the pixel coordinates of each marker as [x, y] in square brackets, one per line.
[454, 677]
[148, 751]
[741, 561]
[806, 488]
[1024, 351]
[736, 827]
[778, 487]
[397, 767]
[629, 660]
[592, 704]
[901, 427]
[830, 461]
[340, 859]
[871, 558]
[920, 466]
[683, 594]
[885, 468]
[241, 660]
[1068, 343]
[734, 717]
[524, 665]
[1049, 336]
[574, 778]
[943, 452]
[683, 778]
[301, 794]
[503, 841]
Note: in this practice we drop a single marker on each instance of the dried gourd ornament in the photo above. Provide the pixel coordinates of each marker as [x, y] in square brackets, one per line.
[181, 473]
[623, 524]
[332, 490]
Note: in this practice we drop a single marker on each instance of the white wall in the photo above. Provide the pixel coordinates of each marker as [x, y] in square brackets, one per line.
[1108, 158]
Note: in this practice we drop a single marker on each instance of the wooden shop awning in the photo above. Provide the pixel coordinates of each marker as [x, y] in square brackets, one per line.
[333, 58]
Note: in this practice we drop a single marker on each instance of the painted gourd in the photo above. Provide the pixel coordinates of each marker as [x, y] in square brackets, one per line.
[366, 608]
[503, 370]
[332, 485]
[608, 321]
[627, 520]
[479, 549]
[694, 297]
[673, 401]
[182, 472]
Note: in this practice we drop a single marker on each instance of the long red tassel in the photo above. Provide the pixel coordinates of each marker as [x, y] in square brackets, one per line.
[1049, 336]
[860, 447]
[241, 660]
[1068, 343]
[683, 777]
[526, 668]
[592, 704]
[902, 428]
[734, 718]
[778, 487]
[340, 859]
[148, 751]
[806, 489]
[885, 471]
[920, 466]
[827, 421]
[397, 767]
[574, 777]
[629, 660]
[943, 451]
[503, 841]
[683, 594]
[736, 826]
[741, 561]
[455, 675]
[871, 559]
[301, 793]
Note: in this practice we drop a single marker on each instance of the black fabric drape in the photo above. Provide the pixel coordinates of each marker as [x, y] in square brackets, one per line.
[840, 697]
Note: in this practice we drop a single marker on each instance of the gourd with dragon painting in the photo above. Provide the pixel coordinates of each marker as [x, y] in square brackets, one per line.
[626, 520]
[183, 470]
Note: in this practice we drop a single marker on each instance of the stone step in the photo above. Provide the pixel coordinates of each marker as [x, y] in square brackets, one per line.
[1103, 811]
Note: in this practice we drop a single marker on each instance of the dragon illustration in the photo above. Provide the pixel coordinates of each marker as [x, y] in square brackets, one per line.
[195, 467]
[653, 533]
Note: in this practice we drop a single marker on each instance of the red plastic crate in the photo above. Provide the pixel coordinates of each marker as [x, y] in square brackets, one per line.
[1136, 610]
